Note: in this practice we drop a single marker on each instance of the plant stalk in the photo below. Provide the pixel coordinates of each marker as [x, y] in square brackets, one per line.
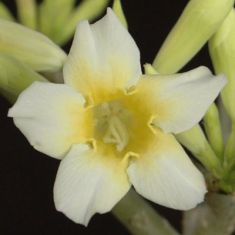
[140, 218]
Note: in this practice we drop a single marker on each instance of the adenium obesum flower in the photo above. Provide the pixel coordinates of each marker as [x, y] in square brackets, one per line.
[113, 127]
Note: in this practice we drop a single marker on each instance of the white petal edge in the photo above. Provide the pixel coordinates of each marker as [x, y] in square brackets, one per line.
[165, 175]
[179, 101]
[87, 183]
[49, 115]
[102, 53]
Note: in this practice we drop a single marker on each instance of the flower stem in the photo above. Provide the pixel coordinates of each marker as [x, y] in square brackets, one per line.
[216, 216]
[140, 218]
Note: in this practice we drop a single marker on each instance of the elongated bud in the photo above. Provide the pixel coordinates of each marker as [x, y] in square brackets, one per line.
[198, 22]
[30, 47]
[149, 69]
[195, 141]
[222, 52]
[87, 10]
[213, 130]
[51, 23]
[27, 12]
[225, 120]
[117, 8]
[15, 77]
[5, 13]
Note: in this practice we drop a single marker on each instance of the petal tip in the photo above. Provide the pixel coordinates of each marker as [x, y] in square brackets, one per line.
[10, 112]
[223, 79]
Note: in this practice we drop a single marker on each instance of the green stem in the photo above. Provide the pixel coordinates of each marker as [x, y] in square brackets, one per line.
[216, 216]
[140, 218]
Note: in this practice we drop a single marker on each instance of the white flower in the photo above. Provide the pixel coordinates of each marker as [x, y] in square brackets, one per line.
[112, 126]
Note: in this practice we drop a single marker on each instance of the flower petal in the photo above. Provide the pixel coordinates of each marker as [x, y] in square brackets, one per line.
[51, 116]
[88, 182]
[102, 55]
[165, 175]
[179, 101]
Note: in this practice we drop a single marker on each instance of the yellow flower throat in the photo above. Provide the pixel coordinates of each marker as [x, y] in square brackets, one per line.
[122, 124]
[112, 124]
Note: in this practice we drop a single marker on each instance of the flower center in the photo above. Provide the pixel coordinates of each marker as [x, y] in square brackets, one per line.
[112, 124]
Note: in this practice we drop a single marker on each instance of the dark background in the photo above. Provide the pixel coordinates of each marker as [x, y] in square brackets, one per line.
[27, 176]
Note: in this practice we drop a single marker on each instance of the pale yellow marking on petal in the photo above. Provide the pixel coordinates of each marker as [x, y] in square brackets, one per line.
[179, 101]
[136, 129]
[101, 85]
[52, 117]
[103, 57]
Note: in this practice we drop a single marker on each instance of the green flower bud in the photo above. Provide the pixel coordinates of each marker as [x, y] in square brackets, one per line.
[60, 27]
[149, 69]
[213, 130]
[117, 8]
[27, 12]
[30, 47]
[51, 23]
[195, 141]
[88, 9]
[5, 13]
[15, 77]
[198, 22]
[222, 51]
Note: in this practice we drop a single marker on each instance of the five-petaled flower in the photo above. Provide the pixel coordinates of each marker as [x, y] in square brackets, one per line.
[113, 127]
